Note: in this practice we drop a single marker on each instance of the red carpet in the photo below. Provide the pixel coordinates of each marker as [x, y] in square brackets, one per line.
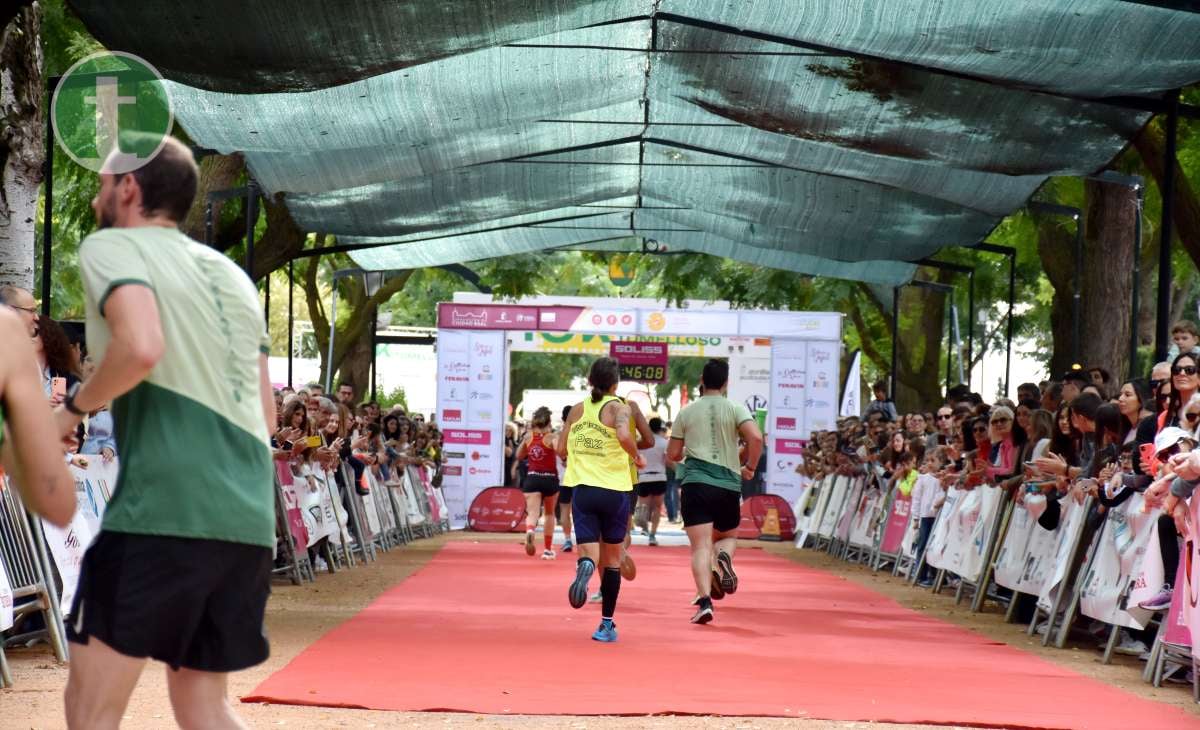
[485, 629]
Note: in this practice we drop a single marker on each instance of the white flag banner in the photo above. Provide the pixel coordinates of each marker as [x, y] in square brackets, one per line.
[6, 600]
[852, 395]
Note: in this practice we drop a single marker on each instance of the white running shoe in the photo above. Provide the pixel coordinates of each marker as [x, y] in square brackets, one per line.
[548, 555]
[1130, 646]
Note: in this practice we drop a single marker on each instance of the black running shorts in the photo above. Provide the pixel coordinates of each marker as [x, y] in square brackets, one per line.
[600, 515]
[651, 489]
[188, 603]
[704, 503]
[565, 494]
[545, 484]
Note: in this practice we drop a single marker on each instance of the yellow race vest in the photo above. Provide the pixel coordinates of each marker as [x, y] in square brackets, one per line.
[594, 456]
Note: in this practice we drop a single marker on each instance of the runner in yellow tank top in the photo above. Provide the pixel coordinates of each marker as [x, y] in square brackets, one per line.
[598, 446]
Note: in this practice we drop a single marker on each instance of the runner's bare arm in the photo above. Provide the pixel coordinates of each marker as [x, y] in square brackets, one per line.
[267, 392]
[572, 417]
[30, 450]
[523, 449]
[675, 450]
[622, 416]
[645, 435]
[135, 348]
[749, 432]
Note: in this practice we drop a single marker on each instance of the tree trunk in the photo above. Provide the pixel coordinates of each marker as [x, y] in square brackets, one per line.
[217, 172]
[918, 381]
[1151, 145]
[1107, 280]
[22, 151]
[1056, 249]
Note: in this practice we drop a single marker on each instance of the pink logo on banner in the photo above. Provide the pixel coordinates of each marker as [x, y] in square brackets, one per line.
[295, 518]
[451, 471]
[789, 446]
[785, 423]
[468, 436]
[451, 414]
[898, 521]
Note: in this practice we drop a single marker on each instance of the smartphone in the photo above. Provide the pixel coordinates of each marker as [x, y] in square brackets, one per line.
[313, 442]
[58, 387]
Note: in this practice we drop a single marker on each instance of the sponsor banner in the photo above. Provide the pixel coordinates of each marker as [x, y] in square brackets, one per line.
[750, 380]
[852, 394]
[1178, 632]
[964, 536]
[849, 506]
[896, 530]
[595, 319]
[1190, 558]
[785, 419]
[831, 509]
[690, 322]
[6, 600]
[803, 325]
[497, 509]
[93, 488]
[935, 550]
[291, 504]
[865, 520]
[597, 345]
[1119, 553]
[487, 316]
[821, 386]
[1070, 528]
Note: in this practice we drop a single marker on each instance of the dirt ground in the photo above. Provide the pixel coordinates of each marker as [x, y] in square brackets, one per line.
[297, 616]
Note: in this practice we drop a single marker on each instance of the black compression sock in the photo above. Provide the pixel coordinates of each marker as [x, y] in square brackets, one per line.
[610, 586]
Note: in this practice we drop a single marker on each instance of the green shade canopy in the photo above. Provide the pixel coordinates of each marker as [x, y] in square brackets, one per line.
[828, 137]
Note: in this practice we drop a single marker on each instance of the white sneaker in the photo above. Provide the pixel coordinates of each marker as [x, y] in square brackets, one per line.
[321, 564]
[1130, 646]
[1042, 628]
[596, 598]
[548, 555]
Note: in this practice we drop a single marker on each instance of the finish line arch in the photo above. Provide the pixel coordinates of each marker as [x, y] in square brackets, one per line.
[473, 373]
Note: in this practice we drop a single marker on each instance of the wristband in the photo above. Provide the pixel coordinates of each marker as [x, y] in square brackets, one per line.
[69, 402]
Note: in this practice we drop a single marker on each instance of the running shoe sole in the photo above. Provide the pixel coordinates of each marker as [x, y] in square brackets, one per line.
[729, 579]
[577, 593]
[703, 616]
[529, 548]
[715, 590]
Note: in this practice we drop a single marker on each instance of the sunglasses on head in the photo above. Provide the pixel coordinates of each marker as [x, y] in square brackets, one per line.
[1184, 370]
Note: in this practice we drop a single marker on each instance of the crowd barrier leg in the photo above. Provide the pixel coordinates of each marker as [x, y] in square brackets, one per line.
[6, 679]
[1010, 614]
[1113, 632]
[290, 555]
[55, 627]
[364, 546]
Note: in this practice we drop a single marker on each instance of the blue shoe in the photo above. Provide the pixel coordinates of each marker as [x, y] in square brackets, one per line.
[607, 632]
[567, 545]
[577, 593]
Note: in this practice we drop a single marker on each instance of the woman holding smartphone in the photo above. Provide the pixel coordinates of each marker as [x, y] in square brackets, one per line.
[30, 449]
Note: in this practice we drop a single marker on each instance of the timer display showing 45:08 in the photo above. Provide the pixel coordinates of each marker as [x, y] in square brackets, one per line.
[644, 373]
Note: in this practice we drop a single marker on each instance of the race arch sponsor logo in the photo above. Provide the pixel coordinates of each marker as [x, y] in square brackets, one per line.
[820, 355]
[456, 455]
[815, 403]
[481, 395]
[452, 470]
[785, 423]
[657, 321]
[483, 349]
[452, 415]
[821, 380]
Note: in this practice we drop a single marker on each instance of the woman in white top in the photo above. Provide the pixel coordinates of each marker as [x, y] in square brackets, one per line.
[652, 482]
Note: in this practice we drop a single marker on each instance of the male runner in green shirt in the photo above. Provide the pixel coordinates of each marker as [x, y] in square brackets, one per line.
[181, 569]
[706, 432]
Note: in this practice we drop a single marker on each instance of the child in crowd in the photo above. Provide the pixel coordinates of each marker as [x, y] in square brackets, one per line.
[1185, 337]
[926, 493]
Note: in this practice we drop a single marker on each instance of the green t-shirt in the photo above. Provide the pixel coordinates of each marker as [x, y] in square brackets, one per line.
[709, 431]
[195, 455]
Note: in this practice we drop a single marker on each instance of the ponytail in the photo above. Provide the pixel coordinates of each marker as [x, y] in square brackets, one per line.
[597, 394]
[603, 375]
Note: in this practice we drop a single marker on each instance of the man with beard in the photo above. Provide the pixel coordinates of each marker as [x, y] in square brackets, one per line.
[181, 568]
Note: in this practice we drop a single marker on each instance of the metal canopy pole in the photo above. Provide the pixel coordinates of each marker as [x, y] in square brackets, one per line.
[895, 339]
[374, 353]
[251, 219]
[970, 325]
[1135, 296]
[291, 323]
[1161, 324]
